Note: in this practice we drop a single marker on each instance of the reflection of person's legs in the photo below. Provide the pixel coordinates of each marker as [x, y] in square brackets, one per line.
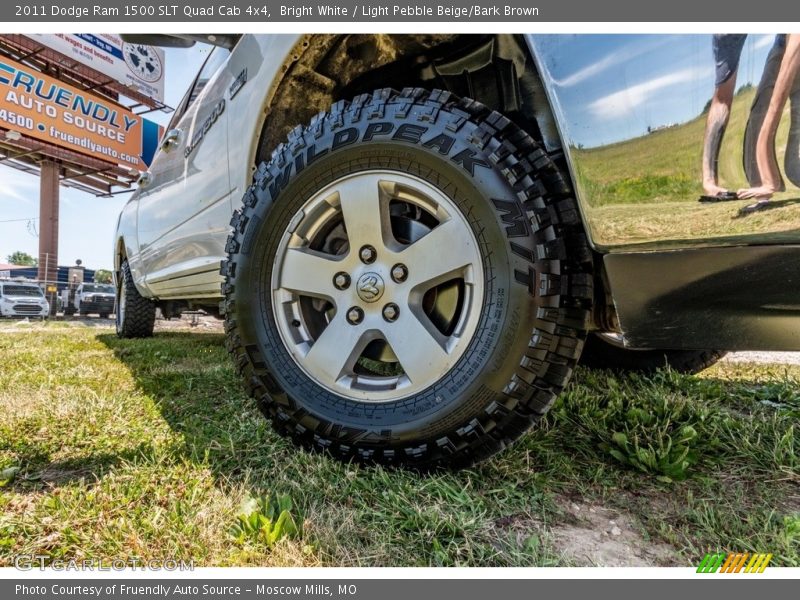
[718, 114]
[765, 147]
[727, 52]
[758, 110]
[791, 164]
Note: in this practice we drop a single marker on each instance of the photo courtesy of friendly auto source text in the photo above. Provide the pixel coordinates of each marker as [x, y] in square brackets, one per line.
[411, 285]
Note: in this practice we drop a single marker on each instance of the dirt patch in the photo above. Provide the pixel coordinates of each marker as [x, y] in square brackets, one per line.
[590, 535]
[53, 475]
[602, 537]
[190, 323]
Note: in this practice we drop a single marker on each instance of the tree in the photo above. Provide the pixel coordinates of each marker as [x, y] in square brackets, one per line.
[22, 258]
[102, 276]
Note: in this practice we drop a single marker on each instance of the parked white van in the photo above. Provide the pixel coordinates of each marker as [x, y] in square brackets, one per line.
[22, 299]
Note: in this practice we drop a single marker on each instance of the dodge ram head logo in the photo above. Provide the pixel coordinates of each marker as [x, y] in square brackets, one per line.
[370, 287]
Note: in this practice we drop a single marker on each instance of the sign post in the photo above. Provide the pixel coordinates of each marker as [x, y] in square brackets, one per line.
[48, 226]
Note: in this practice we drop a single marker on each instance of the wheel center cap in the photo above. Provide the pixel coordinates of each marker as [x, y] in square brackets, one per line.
[370, 287]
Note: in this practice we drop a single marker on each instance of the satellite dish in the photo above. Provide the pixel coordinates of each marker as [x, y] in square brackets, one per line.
[79, 262]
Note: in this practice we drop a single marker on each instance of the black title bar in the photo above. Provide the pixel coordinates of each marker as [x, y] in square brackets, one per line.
[338, 11]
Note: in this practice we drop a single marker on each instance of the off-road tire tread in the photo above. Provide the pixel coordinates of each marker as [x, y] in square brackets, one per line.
[140, 312]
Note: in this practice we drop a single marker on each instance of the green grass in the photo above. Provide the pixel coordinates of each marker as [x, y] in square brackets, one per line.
[660, 201]
[149, 448]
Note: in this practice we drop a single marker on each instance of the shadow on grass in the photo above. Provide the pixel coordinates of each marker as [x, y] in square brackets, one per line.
[41, 471]
[762, 207]
[192, 381]
[182, 436]
[355, 511]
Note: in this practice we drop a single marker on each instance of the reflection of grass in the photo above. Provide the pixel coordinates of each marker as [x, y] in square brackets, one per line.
[666, 164]
[639, 188]
[651, 222]
[150, 448]
[646, 189]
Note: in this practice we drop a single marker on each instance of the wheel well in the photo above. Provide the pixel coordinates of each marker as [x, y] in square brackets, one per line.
[496, 70]
[119, 256]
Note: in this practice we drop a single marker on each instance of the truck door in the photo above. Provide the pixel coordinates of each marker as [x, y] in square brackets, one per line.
[184, 200]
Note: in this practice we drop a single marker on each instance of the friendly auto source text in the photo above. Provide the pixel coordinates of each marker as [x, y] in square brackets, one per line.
[42, 107]
[192, 591]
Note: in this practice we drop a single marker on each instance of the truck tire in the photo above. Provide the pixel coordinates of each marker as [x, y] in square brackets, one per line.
[604, 351]
[136, 315]
[408, 281]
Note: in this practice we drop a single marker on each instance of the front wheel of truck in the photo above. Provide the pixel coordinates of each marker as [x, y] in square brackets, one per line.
[408, 281]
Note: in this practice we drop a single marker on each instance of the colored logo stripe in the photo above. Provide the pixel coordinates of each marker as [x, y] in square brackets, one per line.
[734, 563]
[710, 563]
[758, 563]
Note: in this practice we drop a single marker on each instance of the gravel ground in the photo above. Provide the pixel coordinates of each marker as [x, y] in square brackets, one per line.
[784, 358]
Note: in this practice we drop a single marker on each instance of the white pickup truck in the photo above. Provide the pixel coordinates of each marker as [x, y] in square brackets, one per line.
[95, 298]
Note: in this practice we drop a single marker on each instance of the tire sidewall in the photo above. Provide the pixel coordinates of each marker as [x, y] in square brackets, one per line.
[122, 293]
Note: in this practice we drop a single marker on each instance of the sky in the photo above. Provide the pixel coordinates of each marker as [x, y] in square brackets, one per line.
[86, 223]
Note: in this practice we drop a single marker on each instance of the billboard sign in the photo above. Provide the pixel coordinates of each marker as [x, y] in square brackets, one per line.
[137, 66]
[42, 107]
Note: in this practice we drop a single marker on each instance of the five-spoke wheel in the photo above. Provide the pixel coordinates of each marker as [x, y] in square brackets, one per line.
[377, 287]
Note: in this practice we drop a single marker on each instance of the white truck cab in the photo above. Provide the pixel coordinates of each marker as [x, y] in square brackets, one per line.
[91, 298]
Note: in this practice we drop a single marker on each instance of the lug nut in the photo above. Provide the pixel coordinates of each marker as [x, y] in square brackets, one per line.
[368, 254]
[355, 315]
[341, 281]
[399, 273]
[391, 311]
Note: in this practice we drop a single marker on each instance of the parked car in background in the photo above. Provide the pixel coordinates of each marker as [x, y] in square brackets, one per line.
[410, 275]
[95, 298]
[22, 299]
